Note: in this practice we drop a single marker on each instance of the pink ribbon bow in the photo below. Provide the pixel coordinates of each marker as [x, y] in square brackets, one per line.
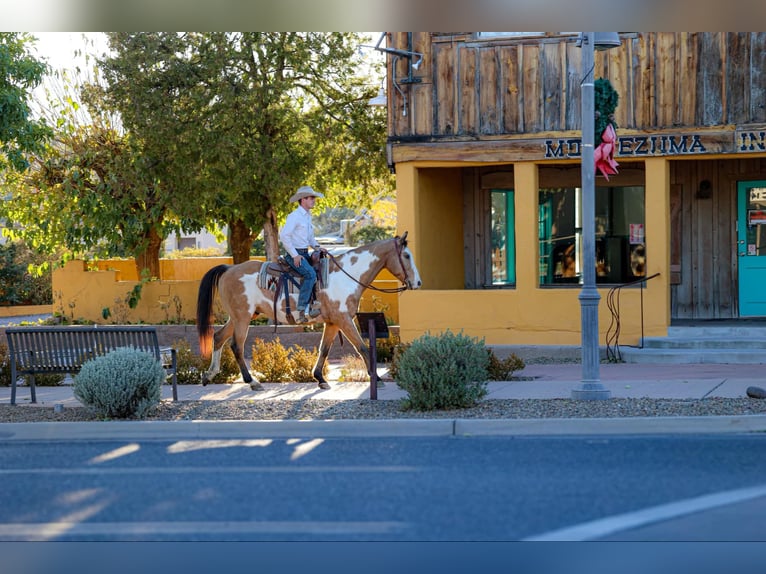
[604, 153]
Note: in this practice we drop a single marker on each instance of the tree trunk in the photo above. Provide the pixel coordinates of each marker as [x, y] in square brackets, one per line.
[271, 236]
[240, 241]
[150, 257]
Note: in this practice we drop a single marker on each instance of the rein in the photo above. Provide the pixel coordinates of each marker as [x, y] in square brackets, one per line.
[371, 286]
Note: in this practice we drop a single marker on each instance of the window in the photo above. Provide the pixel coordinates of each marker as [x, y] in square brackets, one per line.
[620, 241]
[503, 242]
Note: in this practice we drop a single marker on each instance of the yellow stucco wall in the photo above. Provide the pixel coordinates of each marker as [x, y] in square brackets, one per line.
[527, 314]
[80, 294]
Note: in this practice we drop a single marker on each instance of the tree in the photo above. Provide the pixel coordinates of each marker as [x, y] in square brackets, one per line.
[20, 73]
[233, 123]
[90, 191]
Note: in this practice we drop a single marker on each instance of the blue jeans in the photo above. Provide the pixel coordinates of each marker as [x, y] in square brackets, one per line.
[309, 279]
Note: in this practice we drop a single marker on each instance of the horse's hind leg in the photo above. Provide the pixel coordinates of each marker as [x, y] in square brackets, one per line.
[238, 346]
[328, 337]
[219, 339]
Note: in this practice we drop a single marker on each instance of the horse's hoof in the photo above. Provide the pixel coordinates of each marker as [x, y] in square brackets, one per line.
[256, 387]
[324, 386]
[204, 382]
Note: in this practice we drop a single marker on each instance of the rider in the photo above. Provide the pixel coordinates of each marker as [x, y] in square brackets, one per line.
[297, 236]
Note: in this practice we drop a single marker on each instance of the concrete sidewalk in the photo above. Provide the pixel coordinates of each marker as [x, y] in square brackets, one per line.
[545, 381]
[533, 382]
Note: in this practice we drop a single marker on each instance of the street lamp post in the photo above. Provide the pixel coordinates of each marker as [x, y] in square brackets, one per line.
[590, 387]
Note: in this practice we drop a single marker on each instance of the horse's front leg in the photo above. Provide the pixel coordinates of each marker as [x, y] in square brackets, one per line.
[328, 337]
[348, 328]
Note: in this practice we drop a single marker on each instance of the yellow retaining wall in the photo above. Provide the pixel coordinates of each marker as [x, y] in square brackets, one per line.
[79, 294]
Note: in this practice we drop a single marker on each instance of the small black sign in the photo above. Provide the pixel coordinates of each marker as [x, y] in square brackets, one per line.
[381, 327]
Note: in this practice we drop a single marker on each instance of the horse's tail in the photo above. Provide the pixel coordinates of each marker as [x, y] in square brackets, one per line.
[205, 297]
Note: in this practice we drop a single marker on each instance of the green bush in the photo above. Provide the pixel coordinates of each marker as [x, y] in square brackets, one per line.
[447, 371]
[124, 383]
[191, 365]
[501, 370]
[19, 284]
[5, 366]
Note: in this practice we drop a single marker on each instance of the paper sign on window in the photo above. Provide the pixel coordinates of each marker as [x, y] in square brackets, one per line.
[636, 233]
[756, 217]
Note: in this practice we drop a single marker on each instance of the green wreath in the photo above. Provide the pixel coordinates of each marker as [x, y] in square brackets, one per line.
[605, 99]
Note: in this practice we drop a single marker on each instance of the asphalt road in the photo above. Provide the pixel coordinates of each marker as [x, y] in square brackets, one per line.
[386, 489]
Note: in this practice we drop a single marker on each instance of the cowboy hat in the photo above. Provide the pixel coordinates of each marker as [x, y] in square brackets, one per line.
[305, 191]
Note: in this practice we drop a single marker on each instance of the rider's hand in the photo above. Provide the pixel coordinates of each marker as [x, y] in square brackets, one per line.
[297, 260]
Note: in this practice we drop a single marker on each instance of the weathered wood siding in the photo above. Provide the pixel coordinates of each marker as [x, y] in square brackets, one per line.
[704, 237]
[469, 87]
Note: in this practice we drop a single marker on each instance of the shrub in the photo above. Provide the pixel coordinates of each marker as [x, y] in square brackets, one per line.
[501, 370]
[191, 365]
[447, 371]
[5, 365]
[302, 364]
[354, 369]
[276, 364]
[124, 383]
[384, 348]
[270, 360]
[25, 277]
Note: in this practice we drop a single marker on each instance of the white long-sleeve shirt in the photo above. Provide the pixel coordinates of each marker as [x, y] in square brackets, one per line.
[298, 232]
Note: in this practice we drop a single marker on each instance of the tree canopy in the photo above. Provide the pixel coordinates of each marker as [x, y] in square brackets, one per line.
[192, 130]
[20, 73]
[233, 123]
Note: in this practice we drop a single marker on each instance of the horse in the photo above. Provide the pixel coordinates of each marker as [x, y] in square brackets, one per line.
[242, 298]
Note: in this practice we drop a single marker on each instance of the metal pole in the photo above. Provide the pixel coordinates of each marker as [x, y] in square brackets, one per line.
[373, 338]
[590, 387]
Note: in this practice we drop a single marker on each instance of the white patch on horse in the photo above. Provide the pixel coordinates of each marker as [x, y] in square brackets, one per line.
[340, 285]
[252, 292]
[416, 279]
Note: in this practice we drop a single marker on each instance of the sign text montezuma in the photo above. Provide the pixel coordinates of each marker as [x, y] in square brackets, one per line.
[632, 145]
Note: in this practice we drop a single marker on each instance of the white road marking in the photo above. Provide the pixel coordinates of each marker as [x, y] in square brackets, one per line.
[606, 526]
[40, 531]
[202, 470]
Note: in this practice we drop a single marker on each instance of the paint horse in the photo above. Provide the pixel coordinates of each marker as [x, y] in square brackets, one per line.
[242, 297]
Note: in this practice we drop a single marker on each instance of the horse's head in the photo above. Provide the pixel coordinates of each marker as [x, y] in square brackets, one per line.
[404, 268]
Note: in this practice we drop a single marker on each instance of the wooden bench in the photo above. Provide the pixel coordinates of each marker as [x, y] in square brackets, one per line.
[57, 350]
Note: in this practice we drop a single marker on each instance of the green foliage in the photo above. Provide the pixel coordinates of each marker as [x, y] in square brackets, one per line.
[20, 73]
[245, 118]
[5, 365]
[191, 365]
[501, 370]
[384, 348]
[275, 363]
[369, 233]
[447, 371]
[605, 100]
[124, 383]
[194, 252]
[19, 285]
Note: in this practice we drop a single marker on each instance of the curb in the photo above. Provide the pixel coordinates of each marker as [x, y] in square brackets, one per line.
[173, 430]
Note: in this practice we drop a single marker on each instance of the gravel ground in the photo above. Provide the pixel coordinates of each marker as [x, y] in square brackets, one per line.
[315, 409]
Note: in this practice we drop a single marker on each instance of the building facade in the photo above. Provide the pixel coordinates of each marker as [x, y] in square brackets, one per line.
[484, 135]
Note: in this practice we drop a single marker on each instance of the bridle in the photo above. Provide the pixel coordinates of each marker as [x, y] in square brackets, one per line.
[407, 282]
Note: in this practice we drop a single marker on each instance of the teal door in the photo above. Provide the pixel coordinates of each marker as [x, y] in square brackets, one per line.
[751, 247]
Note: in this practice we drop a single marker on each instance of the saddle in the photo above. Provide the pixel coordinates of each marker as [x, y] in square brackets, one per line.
[280, 275]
